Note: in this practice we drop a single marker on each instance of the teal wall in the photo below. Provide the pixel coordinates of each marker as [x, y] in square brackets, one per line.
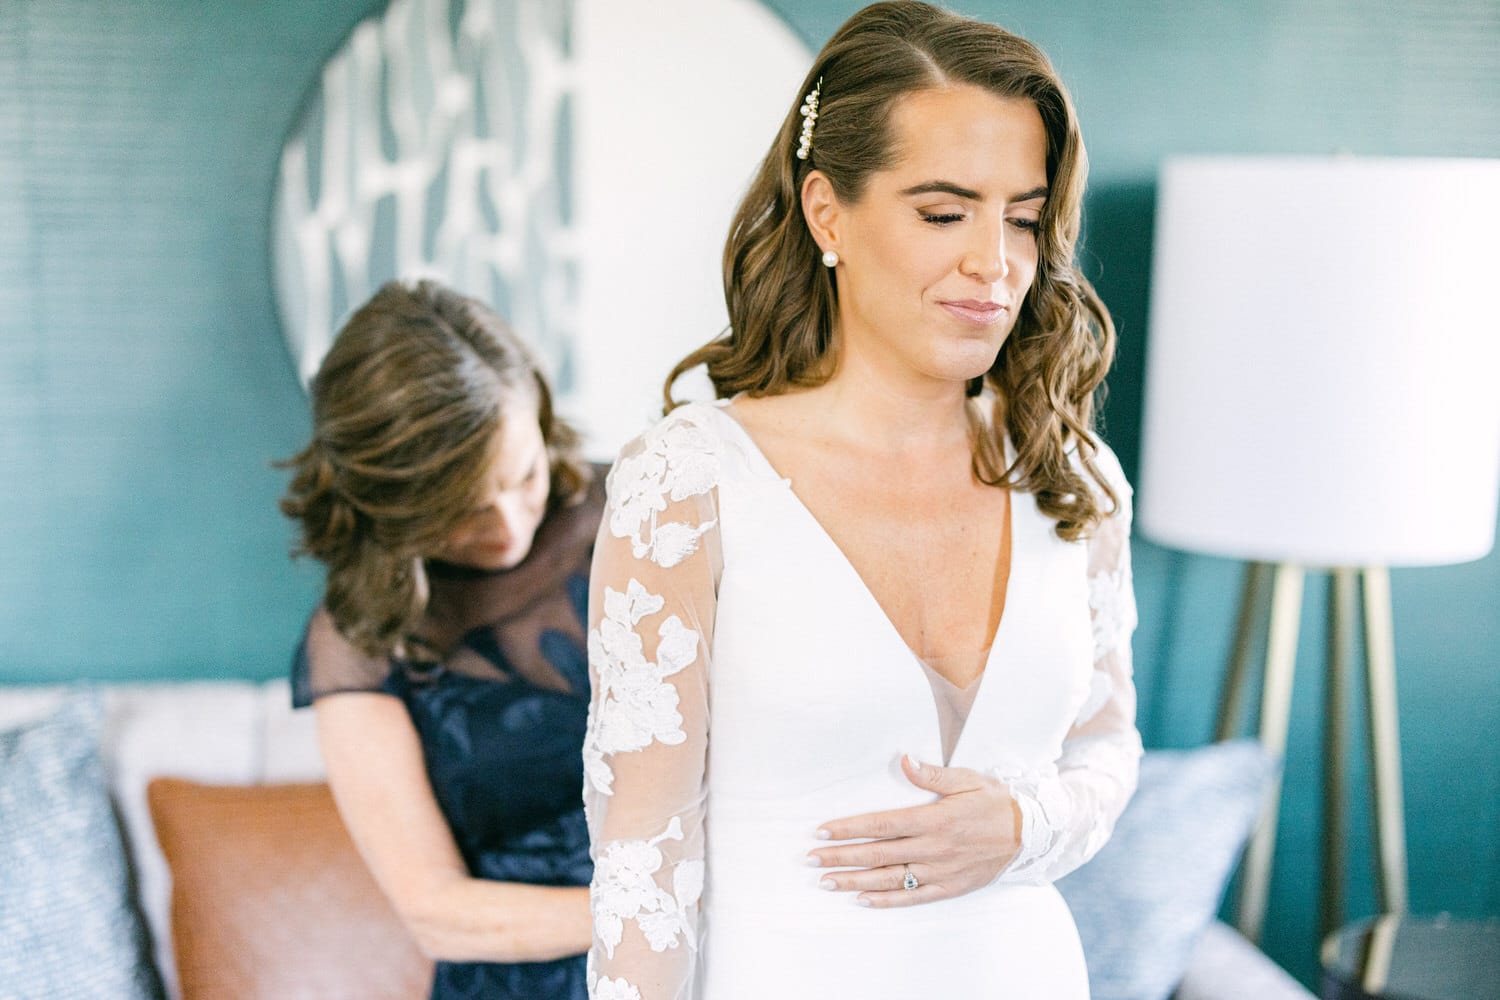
[144, 389]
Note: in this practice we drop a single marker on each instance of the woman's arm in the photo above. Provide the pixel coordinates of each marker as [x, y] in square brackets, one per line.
[1068, 813]
[651, 613]
[379, 780]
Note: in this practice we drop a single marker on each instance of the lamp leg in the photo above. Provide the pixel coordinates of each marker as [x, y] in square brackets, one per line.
[1251, 591]
[1342, 598]
[1385, 741]
[1276, 703]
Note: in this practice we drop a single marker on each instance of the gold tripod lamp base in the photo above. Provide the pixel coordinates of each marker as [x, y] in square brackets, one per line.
[1347, 587]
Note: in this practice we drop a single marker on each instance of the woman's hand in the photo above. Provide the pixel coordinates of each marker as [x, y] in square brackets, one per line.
[953, 846]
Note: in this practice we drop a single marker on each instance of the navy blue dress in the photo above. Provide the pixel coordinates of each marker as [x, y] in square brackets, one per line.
[501, 719]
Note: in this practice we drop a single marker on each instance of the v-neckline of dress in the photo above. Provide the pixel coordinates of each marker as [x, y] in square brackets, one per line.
[919, 666]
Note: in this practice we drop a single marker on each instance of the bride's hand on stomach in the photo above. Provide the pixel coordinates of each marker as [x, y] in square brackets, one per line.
[952, 846]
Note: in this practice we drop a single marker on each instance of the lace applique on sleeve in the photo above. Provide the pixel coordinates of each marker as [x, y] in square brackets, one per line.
[1069, 811]
[651, 608]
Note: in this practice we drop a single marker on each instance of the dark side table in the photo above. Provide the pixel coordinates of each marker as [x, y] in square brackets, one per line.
[1413, 958]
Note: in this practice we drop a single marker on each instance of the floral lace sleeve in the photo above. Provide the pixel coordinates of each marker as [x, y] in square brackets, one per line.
[1068, 812]
[651, 609]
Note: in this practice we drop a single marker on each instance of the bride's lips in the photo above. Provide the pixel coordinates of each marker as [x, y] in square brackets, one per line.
[976, 311]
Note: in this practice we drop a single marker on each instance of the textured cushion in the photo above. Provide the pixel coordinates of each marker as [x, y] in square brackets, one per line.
[271, 899]
[68, 925]
[210, 731]
[1143, 901]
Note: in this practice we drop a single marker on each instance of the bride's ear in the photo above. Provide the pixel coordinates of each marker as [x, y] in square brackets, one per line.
[821, 210]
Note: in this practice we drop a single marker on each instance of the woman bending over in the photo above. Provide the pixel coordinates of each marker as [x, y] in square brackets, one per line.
[446, 661]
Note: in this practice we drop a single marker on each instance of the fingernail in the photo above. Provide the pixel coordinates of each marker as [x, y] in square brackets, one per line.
[862, 900]
[813, 861]
[912, 760]
[824, 835]
[828, 884]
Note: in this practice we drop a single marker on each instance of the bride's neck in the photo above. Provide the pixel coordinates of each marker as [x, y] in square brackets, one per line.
[893, 413]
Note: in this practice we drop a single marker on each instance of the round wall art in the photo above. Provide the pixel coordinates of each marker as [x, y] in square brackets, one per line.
[575, 163]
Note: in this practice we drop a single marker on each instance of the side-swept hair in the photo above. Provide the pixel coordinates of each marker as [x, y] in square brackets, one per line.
[783, 304]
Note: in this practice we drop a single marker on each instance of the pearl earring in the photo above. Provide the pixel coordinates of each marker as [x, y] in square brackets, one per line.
[830, 258]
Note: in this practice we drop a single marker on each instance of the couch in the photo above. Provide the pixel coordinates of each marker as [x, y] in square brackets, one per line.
[243, 733]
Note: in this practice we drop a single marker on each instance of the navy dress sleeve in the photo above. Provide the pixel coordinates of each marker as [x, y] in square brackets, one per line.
[327, 663]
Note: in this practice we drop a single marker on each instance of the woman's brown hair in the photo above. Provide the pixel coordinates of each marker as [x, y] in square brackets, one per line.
[406, 406]
[783, 306]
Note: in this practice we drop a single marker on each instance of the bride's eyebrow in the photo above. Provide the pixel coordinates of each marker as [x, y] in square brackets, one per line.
[943, 187]
[959, 191]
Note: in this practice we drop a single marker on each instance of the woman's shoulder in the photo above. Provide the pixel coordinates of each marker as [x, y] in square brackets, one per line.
[1108, 464]
[682, 451]
[326, 662]
[661, 489]
[1117, 509]
[695, 423]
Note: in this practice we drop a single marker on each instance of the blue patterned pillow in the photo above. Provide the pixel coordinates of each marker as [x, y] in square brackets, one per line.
[1141, 903]
[68, 926]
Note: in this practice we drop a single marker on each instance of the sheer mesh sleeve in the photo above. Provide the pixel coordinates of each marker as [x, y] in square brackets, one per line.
[651, 614]
[1068, 812]
[327, 663]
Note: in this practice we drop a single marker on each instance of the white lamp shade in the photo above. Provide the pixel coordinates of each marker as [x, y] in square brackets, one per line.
[1323, 370]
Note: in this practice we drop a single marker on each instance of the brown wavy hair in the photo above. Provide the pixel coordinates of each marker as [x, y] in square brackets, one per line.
[783, 304]
[405, 408]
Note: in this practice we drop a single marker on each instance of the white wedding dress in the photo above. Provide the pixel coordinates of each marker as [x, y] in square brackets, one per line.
[747, 687]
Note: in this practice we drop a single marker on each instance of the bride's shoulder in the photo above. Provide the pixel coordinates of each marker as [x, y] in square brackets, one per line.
[698, 426]
[680, 452]
[1103, 458]
[1109, 466]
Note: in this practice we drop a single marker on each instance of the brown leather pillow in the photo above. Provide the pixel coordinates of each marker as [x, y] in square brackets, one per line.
[271, 899]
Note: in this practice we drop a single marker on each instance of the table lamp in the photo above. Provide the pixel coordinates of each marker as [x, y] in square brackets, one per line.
[1323, 391]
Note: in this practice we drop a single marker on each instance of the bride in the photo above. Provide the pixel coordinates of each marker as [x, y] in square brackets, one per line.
[886, 576]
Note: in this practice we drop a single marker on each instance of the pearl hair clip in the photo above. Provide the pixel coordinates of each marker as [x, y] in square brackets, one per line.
[809, 111]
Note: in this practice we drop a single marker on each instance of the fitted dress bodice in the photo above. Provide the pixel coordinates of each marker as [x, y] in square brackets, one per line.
[779, 766]
[749, 687]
